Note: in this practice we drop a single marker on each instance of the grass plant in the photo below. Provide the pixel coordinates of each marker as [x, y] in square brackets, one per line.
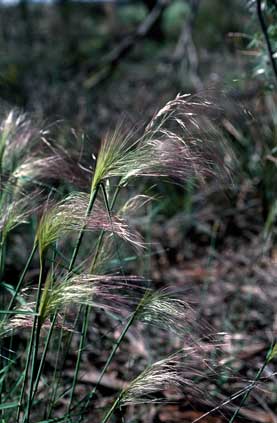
[48, 317]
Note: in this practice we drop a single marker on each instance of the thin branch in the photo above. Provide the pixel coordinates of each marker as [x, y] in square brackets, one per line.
[112, 60]
[265, 32]
[185, 48]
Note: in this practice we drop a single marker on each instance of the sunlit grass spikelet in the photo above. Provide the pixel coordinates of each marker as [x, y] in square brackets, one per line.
[18, 138]
[118, 294]
[70, 215]
[16, 213]
[183, 140]
[177, 371]
[168, 312]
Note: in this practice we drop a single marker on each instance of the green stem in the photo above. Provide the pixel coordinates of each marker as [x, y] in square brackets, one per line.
[247, 393]
[82, 231]
[42, 361]
[33, 346]
[33, 368]
[88, 308]
[2, 258]
[108, 208]
[43, 357]
[101, 237]
[36, 329]
[112, 354]
[71, 265]
[23, 274]
[85, 321]
[113, 408]
[81, 347]
[55, 377]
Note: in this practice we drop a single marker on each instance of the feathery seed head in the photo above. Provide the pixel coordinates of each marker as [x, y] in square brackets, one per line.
[15, 213]
[133, 204]
[51, 167]
[176, 371]
[162, 310]
[18, 137]
[70, 215]
[181, 141]
[114, 293]
[112, 152]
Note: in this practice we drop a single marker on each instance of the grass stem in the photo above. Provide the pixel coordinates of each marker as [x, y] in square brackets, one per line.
[23, 274]
[257, 378]
[112, 354]
[33, 347]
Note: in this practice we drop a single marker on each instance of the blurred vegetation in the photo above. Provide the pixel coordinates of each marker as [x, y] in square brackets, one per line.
[50, 50]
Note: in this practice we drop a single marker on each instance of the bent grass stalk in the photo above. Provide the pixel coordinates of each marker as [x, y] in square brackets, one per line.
[100, 239]
[85, 319]
[23, 274]
[255, 381]
[112, 354]
[244, 391]
[92, 199]
[113, 408]
[70, 268]
[2, 261]
[71, 265]
[37, 326]
[33, 344]
[87, 308]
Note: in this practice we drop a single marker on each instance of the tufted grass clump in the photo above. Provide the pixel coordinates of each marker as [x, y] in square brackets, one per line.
[74, 238]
